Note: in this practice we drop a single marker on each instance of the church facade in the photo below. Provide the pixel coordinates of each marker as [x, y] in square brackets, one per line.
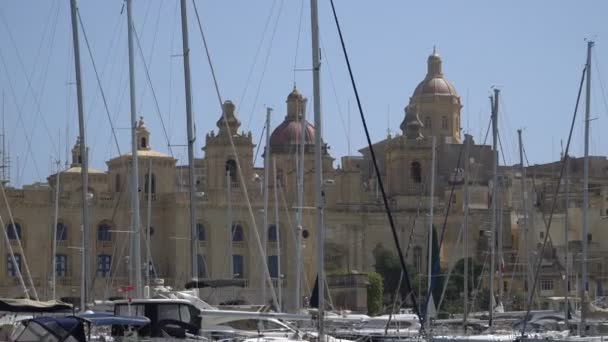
[230, 208]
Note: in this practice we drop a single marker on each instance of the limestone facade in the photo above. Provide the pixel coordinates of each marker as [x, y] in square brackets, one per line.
[355, 217]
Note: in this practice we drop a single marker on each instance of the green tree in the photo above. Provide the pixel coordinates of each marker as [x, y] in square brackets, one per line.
[388, 267]
[375, 293]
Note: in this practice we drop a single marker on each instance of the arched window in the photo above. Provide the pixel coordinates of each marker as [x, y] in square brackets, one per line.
[444, 122]
[117, 182]
[273, 266]
[273, 235]
[417, 258]
[13, 267]
[14, 232]
[237, 233]
[104, 233]
[416, 172]
[428, 123]
[61, 232]
[201, 264]
[61, 265]
[152, 183]
[200, 232]
[231, 170]
[144, 142]
[238, 266]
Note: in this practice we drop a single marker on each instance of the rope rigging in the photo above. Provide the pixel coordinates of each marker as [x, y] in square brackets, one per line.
[553, 205]
[377, 170]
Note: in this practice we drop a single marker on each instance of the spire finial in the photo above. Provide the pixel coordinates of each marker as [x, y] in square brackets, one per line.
[434, 50]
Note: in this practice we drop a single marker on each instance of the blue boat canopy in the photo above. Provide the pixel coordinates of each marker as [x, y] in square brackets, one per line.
[101, 319]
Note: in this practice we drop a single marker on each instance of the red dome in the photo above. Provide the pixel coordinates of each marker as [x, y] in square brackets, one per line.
[289, 132]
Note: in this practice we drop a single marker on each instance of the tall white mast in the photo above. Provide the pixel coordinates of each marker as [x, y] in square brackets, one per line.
[430, 245]
[493, 232]
[316, 88]
[229, 198]
[567, 244]
[149, 223]
[300, 204]
[135, 264]
[54, 247]
[524, 205]
[465, 231]
[191, 138]
[585, 233]
[85, 277]
[278, 229]
[265, 218]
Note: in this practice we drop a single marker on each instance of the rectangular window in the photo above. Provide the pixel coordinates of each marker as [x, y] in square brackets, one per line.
[237, 266]
[104, 263]
[10, 265]
[546, 285]
[273, 266]
[61, 265]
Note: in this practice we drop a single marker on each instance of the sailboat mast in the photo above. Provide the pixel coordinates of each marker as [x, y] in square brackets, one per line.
[135, 264]
[316, 88]
[54, 247]
[278, 230]
[524, 206]
[85, 277]
[567, 244]
[430, 247]
[493, 232]
[149, 223]
[465, 231]
[300, 200]
[584, 237]
[265, 218]
[190, 132]
[229, 197]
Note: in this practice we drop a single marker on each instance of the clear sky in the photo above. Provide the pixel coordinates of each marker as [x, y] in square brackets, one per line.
[533, 51]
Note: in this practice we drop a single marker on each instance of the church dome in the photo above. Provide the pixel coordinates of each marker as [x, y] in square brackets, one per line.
[434, 83]
[290, 130]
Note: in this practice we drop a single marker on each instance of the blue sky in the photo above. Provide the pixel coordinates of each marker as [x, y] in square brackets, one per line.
[533, 50]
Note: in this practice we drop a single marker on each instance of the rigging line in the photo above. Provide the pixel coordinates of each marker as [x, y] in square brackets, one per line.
[162, 122]
[445, 222]
[380, 183]
[502, 152]
[479, 281]
[265, 67]
[333, 85]
[34, 95]
[150, 53]
[485, 139]
[18, 239]
[295, 59]
[173, 25]
[257, 148]
[554, 205]
[103, 95]
[200, 28]
[259, 49]
[450, 270]
[20, 119]
[599, 76]
[242, 179]
[38, 54]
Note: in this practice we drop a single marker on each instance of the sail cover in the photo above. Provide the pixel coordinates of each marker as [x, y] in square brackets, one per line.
[31, 306]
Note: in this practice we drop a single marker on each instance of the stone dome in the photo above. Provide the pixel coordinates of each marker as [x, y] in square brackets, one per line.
[289, 133]
[290, 130]
[434, 83]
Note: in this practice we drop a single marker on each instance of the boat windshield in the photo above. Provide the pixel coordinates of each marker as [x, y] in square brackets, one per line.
[130, 310]
[258, 325]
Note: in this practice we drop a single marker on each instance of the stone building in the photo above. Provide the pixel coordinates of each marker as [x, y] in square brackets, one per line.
[228, 184]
